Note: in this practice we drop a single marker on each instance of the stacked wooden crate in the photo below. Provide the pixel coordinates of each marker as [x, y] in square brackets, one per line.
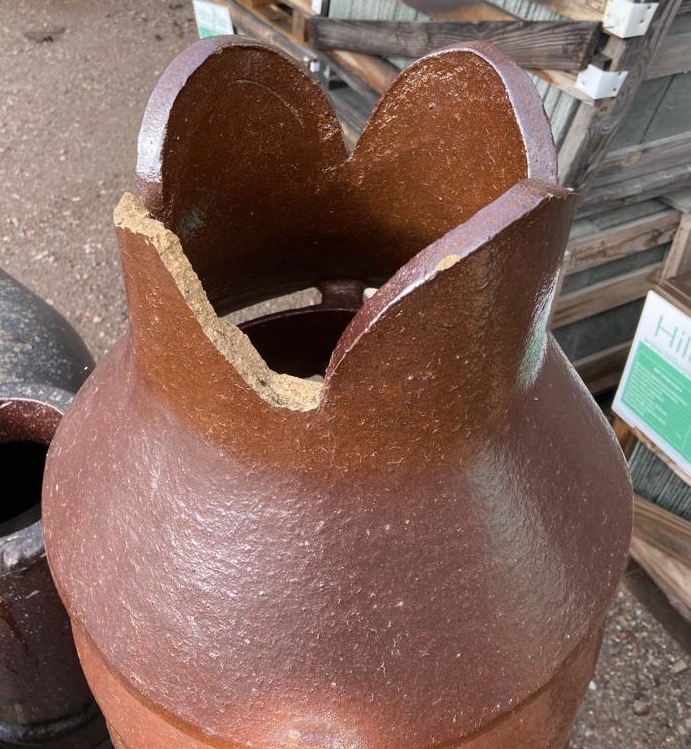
[629, 155]
[612, 260]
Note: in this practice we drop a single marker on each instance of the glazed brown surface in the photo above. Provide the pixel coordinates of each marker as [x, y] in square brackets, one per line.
[419, 551]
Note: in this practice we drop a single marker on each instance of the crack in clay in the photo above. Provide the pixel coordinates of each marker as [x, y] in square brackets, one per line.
[277, 389]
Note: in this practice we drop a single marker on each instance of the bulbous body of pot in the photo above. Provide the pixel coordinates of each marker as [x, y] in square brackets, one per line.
[335, 593]
[44, 698]
[418, 551]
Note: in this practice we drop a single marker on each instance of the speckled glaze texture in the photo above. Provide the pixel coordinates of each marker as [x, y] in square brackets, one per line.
[418, 551]
[44, 698]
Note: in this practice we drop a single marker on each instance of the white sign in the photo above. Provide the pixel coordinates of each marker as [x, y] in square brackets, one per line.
[654, 394]
[212, 19]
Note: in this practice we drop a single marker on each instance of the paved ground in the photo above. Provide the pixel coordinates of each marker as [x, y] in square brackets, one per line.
[74, 79]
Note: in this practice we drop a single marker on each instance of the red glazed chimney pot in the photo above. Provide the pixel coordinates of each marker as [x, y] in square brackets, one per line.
[417, 551]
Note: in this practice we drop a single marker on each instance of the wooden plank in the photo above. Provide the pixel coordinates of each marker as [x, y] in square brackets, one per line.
[624, 435]
[604, 197]
[459, 10]
[577, 10]
[605, 295]
[613, 219]
[602, 370]
[673, 56]
[375, 73]
[620, 241]
[303, 6]
[299, 28]
[677, 291]
[678, 260]
[284, 18]
[672, 115]
[673, 577]
[640, 159]
[633, 129]
[534, 44]
[287, 16]
[352, 119]
[679, 199]
[593, 128]
[663, 529]
[564, 80]
[264, 31]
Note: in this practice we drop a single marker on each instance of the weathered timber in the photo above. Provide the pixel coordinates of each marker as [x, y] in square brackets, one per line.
[635, 128]
[620, 241]
[602, 370]
[600, 332]
[643, 158]
[376, 74]
[599, 297]
[624, 435]
[252, 25]
[289, 18]
[663, 529]
[303, 6]
[679, 258]
[604, 197]
[672, 115]
[351, 113]
[673, 577]
[560, 45]
[369, 76]
[594, 127]
[674, 56]
[564, 80]
[679, 199]
[459, 10]
[578, 10]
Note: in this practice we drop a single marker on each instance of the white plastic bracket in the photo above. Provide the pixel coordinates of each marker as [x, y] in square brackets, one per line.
[625, 19]
[600, 84]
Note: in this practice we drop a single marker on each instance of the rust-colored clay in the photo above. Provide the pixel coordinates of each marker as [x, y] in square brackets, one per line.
[418, 551]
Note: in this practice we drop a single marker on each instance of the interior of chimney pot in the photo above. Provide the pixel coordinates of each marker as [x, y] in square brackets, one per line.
[27, 427]
[299, 334]
[21, 464]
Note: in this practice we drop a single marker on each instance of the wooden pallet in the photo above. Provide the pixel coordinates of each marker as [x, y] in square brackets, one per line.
[608, 230]
[287, 17]
[661, 544]
[611, 262]
[586, 130]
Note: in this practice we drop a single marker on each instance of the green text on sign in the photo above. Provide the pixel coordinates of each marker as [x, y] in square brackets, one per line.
[660, 395]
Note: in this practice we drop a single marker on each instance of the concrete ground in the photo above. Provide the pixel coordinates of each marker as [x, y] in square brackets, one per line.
[75, 76]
